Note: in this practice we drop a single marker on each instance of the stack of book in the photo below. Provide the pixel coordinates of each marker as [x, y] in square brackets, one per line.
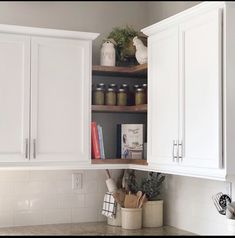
[97, 142]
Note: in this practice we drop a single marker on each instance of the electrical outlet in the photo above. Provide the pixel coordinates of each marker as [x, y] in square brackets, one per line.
[76, 181]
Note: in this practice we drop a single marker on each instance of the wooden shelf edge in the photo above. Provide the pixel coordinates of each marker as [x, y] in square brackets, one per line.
[137, 70]
[119, 161]
[129, 109]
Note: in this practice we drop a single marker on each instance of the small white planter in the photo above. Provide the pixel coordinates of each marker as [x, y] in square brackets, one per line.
[153, 213]
[131, 218]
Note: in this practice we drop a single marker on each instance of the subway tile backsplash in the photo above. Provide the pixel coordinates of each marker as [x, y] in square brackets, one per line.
[47, 197]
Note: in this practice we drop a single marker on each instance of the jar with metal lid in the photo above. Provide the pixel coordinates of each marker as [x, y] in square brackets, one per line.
[114, 86]
[110, 97]
[140, 96]
[132, 94]
[127, 89]
[102, 85]
[145, 87]
[98, 96]
[121, 97]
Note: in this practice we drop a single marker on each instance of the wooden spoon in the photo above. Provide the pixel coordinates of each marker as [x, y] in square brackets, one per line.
[143, 199]
[139, 195]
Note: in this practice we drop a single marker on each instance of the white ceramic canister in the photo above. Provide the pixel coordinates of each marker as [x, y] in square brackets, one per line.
[153, 213]
[131, 218]
[117, 220]
[107, 54]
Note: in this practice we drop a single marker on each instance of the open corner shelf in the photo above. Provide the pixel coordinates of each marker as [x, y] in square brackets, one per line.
[131, 71]
[119, 161]
[126, 109]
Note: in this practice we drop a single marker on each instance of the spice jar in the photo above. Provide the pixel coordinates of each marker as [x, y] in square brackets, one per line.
[132, 94]
[110, 97]
[121, 97]
[140, 96]
[145, 87]
[98, 96]
[127, 90]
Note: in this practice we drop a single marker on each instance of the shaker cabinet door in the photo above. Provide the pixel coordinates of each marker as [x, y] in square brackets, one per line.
[60, 73]
[201, 98]
[163, 96]
[14, 97]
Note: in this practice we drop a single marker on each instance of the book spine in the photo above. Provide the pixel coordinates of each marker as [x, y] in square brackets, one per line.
[101, 142]
[119, 141]
[95, 141]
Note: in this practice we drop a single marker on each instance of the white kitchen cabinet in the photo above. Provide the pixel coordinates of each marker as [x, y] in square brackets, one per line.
[59, 102]
[45, 81]
[201, 85]
[192, 100]
[14, 97]
[163, 96]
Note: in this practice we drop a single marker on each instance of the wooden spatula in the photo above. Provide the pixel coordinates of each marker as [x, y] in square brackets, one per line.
[130, 201]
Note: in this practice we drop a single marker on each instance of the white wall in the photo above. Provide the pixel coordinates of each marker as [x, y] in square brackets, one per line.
[159, 10]
[188, 201]
[95, 16]
[46, 197]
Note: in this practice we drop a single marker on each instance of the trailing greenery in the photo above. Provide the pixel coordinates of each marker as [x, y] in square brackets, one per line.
[123, 36]
[150, 185]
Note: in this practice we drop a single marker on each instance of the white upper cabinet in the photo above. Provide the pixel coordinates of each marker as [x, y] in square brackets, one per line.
[201, 87]
[45, 81]
[59, 106]
[163, 96]
[14, 97]
[191, 92]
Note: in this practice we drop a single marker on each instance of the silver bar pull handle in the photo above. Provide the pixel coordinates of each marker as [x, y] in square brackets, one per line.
[34, 148]
[180, 153]
[26, 148]
[173, 151]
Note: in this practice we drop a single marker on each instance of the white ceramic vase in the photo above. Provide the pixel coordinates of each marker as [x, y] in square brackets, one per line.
[107, 54]
[153, 213]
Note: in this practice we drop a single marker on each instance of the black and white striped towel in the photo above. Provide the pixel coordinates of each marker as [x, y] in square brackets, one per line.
[109, 206]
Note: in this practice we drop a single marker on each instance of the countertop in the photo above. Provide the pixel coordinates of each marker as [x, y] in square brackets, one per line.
[92, 229]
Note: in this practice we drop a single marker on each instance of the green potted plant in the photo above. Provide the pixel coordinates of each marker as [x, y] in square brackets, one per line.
[125, 50]
[153, 208]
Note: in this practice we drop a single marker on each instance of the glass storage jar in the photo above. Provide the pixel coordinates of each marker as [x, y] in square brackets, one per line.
[127, 89]
[121, 97]
[110, 97]
[140, 96]
[98, 96]
[145, 87]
